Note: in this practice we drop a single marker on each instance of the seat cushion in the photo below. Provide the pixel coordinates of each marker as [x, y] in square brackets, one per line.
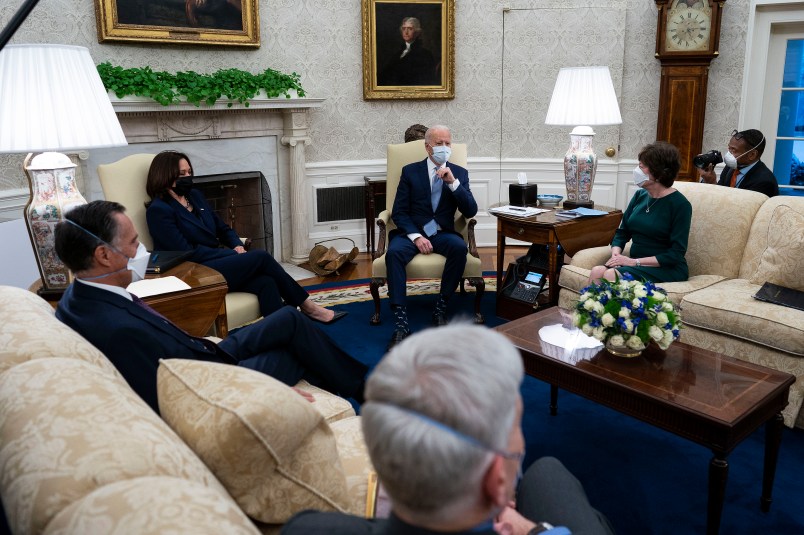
[153, 506]
[729, 308]
[574, 278]
[428, 267]
[355, 460]
[274, 453]
[241, 308]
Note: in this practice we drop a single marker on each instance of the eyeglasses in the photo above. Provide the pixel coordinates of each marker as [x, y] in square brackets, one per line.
[736, 135]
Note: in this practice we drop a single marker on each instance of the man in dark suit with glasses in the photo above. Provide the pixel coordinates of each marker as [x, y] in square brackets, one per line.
[744, 169]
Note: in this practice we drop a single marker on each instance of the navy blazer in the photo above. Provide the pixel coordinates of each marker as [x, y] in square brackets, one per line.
[413, 208]
[759, 178]
[174, 228]
[116, 326]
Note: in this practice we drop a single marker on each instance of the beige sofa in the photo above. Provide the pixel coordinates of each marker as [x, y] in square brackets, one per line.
[234, 452]
[738, 240]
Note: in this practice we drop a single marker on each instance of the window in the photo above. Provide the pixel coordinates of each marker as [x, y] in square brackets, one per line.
[788, 162]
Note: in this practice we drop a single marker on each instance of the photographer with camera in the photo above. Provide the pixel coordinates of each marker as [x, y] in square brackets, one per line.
[744, 169]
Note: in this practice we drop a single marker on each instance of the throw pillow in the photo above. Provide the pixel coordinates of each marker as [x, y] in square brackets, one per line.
[782, 262]
[274, 453]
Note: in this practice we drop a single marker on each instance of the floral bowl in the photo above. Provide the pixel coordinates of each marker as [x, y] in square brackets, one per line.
[549, 201]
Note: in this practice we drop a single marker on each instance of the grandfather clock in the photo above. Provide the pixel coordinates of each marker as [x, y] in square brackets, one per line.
[687, 39]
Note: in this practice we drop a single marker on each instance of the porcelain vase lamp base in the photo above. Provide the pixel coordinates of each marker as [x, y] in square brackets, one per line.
[580, 164]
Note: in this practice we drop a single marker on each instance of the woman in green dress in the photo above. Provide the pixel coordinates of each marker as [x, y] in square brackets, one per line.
[657, 221]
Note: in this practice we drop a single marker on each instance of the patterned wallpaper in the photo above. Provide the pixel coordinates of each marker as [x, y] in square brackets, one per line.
[495, 92]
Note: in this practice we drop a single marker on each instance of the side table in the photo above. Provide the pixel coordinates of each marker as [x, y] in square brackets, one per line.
[194, 310]
[375, 189]
[545, 228]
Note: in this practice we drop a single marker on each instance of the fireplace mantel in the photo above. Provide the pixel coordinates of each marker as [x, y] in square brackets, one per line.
[285, 121]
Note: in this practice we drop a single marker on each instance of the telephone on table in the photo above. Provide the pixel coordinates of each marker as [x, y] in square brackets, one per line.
[523, 284]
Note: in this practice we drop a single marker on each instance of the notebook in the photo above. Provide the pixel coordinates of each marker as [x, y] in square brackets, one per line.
[162, 261]
[779, 295]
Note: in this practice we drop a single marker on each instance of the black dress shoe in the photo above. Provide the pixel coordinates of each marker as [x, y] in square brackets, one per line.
[439, 319]
[338, 315]
[397, 337]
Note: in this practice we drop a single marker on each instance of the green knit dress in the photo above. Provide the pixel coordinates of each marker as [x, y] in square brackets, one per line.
[657, 227]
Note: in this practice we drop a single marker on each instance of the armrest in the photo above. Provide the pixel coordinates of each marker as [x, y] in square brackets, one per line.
[595, 256]
[383, 222]
[589, 258]
[467, 228]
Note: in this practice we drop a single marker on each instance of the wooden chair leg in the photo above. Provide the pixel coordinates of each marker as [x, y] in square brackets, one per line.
[374, 288]
[480, 287]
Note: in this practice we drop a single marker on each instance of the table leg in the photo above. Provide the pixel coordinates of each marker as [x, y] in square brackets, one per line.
[773, 440]
[718, 474]
[552, 273]
[500, 255]
[369, 206]
[553, 400]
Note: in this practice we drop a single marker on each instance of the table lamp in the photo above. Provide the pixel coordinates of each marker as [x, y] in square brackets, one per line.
[582, 96]
[52, 99]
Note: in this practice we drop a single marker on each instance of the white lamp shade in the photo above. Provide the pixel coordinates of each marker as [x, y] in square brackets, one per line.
[52, 99]
[583, 96]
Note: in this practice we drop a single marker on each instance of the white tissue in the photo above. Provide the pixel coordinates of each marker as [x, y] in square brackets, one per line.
[522, 178]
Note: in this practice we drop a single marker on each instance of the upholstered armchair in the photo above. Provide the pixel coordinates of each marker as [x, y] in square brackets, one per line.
[422, 266]
[124, 181]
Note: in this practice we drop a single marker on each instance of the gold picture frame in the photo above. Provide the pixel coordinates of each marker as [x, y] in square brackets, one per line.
[404, 58]
[196, 22]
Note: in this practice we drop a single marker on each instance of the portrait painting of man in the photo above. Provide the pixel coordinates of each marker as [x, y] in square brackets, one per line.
[410, 47]
[233, 22]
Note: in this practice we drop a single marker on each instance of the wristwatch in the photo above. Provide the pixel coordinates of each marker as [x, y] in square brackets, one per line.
[540, 527]
[638, 263]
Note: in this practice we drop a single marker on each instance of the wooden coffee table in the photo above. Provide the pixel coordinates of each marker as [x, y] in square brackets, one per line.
[708, 398]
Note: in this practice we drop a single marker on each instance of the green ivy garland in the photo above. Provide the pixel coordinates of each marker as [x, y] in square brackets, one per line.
[165, 88]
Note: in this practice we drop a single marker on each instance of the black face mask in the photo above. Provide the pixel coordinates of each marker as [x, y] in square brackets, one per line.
[183, 186]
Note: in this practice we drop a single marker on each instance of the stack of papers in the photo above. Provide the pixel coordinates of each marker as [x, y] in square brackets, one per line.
[518, 211]
[162, 285]
[579, 212]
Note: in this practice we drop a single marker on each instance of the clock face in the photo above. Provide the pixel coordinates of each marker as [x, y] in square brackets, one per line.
[688, 29]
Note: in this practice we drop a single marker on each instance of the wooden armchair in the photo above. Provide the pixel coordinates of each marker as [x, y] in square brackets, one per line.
[422, 266]
[124, 181]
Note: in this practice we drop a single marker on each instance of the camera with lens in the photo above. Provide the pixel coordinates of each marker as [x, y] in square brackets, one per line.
[702, 161]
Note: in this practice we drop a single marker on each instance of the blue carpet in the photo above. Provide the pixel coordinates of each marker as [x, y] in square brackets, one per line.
[647, 481]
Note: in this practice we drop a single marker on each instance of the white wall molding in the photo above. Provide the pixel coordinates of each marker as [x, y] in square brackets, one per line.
[12, 203]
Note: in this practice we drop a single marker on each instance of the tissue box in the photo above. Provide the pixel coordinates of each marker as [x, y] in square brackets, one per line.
[522, 194]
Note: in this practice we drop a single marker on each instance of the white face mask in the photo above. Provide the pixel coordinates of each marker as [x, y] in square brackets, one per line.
[139, 263]
[441, 154]
[731, 160]
[639, 177]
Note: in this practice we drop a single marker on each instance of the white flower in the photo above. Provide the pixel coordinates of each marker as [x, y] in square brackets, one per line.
[598, 333]
[617, 340]
[625, 313]
[659, 296]
[585, 296]
[607, 319]
[636, 303]
[655, 332]
[586, 329]
[599, 307]
[667, 339]
[629, 326]
[640, 291]
[589, 305]
[576, 319]
[661, 318]
[635, 343]
[667, 306]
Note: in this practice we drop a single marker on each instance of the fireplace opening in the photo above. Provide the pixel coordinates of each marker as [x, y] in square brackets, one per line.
[243, 201]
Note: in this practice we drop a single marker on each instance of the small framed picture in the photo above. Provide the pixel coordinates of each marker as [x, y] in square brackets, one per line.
[201, 22]
[408, 49]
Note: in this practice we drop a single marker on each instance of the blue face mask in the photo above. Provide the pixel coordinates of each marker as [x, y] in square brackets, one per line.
[441, 154]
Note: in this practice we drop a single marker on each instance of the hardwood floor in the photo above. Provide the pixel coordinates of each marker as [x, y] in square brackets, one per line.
[361, 268]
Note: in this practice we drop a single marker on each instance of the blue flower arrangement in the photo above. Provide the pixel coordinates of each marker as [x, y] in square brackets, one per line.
[627, 313]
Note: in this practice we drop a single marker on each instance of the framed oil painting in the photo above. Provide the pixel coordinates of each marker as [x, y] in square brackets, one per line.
[202, 22]
[408, 49]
